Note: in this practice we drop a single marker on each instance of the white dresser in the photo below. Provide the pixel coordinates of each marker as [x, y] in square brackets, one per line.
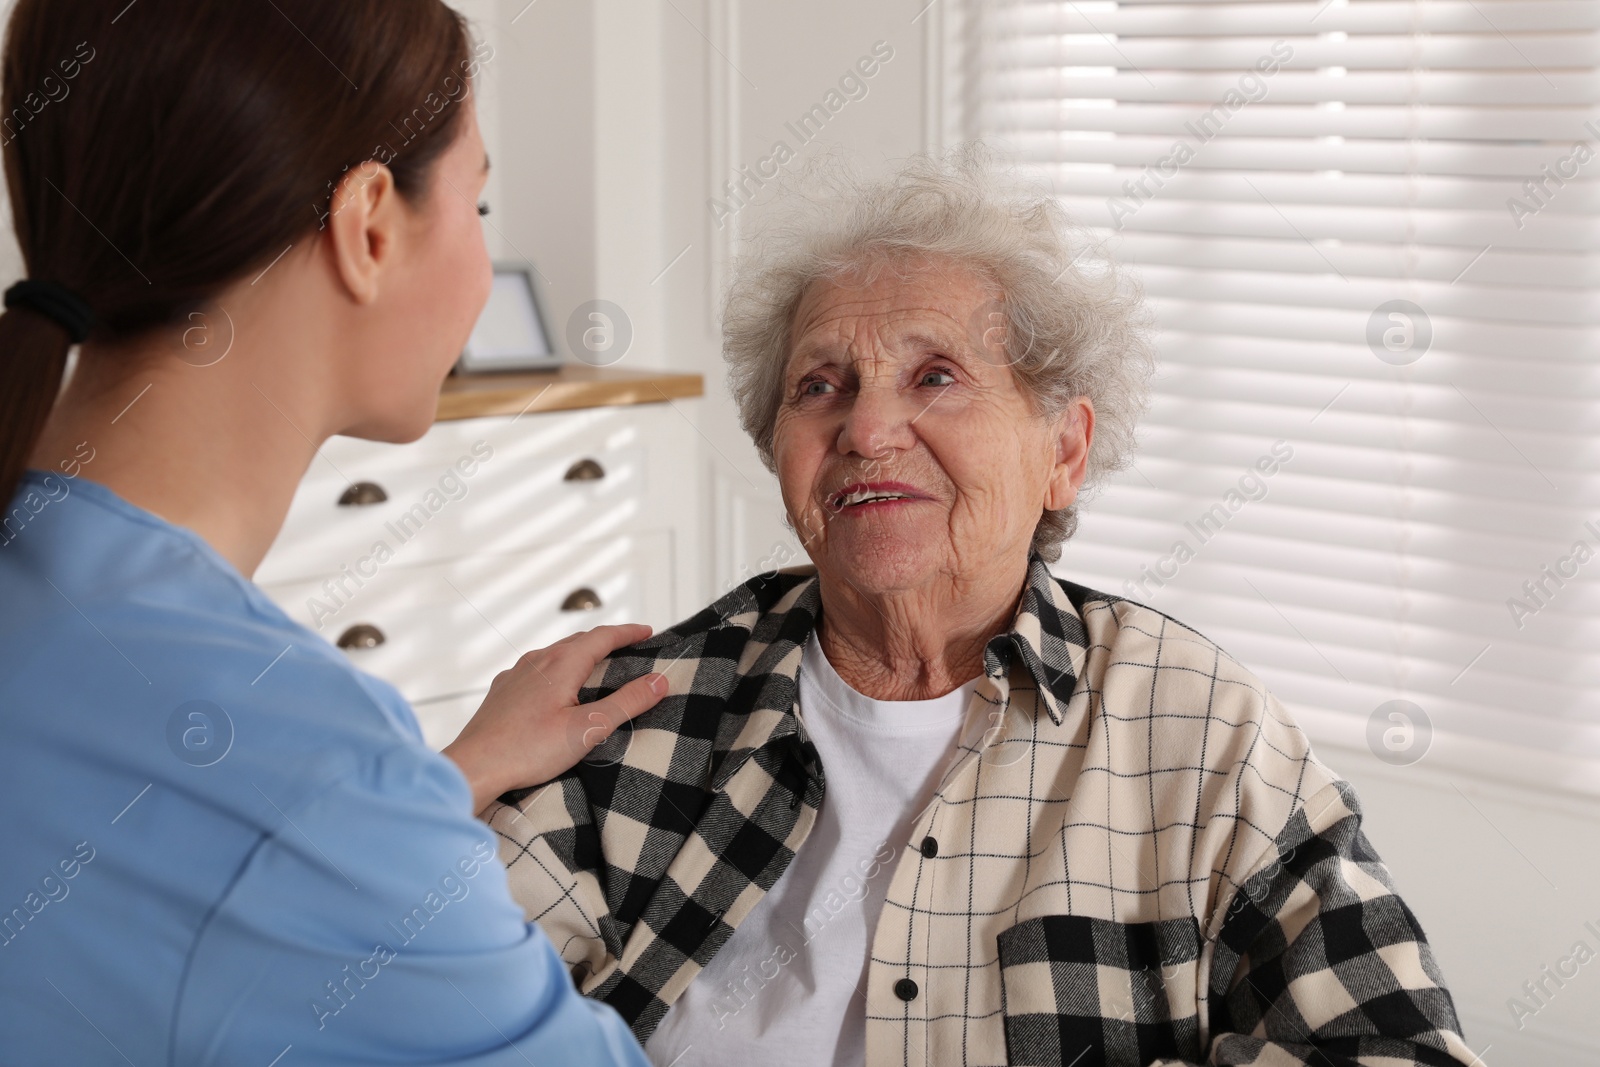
[435, 564]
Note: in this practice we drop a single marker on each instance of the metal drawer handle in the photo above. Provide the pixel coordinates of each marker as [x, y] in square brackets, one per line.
[585, 470]
[362, 494]
[584, 599]
[361, 635]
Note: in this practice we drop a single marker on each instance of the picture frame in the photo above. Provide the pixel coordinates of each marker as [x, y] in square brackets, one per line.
[512, 332]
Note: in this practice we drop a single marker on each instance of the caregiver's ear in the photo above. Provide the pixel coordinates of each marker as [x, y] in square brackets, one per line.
[363, 223]
[1074, 431]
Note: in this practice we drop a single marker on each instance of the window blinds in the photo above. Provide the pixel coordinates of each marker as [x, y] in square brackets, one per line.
[1368, 229]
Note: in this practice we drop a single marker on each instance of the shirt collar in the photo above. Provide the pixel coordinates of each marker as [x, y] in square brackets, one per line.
[1047, 632]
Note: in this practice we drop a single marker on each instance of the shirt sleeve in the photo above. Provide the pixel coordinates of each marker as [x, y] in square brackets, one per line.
[1319, 961]
[373, 925]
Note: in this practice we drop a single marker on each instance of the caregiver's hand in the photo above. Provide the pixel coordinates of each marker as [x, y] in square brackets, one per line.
[531, 727]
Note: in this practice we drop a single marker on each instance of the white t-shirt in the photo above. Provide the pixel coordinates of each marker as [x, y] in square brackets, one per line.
[789, 987]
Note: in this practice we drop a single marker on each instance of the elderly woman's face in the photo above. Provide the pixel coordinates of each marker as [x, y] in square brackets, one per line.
[906, 448]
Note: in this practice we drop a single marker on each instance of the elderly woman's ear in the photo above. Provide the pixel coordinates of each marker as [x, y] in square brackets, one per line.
[1075, 433]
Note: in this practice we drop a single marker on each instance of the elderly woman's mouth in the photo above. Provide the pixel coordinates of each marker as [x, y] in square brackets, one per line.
[872, 496]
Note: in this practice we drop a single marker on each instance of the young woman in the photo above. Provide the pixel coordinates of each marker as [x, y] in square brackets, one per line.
[223, 844]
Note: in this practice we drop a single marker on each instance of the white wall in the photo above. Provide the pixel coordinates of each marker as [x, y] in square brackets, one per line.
[1502, 879]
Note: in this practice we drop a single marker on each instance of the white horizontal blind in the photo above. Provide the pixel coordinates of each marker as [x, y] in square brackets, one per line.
[1279, 172]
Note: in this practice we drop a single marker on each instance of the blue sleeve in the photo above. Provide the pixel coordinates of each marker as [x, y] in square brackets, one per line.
[374, 925]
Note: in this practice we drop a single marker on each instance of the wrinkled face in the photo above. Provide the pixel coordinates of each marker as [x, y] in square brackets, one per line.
[907, 450]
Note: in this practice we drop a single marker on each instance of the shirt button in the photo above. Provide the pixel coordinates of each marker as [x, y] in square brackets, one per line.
[930, 848]
[905, 989]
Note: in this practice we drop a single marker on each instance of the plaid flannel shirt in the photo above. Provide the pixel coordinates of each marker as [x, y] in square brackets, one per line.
[1132, 857]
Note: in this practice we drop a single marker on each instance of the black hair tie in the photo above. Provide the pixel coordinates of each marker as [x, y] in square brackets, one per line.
[56, 303]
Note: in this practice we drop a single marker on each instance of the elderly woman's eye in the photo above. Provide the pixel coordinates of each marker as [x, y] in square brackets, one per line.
[814, 387]
[950, 378]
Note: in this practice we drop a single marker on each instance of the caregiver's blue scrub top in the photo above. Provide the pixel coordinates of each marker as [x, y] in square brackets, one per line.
[222, 844]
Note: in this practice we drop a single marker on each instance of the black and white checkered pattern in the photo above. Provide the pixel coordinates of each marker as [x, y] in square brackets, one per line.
[1133, 857]
[1060, 973]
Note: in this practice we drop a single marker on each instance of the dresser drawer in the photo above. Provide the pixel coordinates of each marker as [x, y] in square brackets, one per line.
[473, 485]
[448, 628]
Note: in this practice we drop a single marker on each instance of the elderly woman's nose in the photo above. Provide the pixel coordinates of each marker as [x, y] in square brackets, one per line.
[878, 420]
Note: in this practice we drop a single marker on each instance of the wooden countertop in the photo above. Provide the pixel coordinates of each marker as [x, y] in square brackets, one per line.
[574, 385]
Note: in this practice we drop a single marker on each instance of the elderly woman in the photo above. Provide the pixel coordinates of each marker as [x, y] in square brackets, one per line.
[922, 802]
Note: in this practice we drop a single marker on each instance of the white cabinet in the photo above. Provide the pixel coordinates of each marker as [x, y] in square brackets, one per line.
[434, 565]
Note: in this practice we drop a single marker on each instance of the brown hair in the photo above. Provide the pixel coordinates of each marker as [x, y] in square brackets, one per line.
[159, 151]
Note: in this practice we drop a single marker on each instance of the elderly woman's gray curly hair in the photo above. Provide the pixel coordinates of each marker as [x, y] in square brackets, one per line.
[1075, 323]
